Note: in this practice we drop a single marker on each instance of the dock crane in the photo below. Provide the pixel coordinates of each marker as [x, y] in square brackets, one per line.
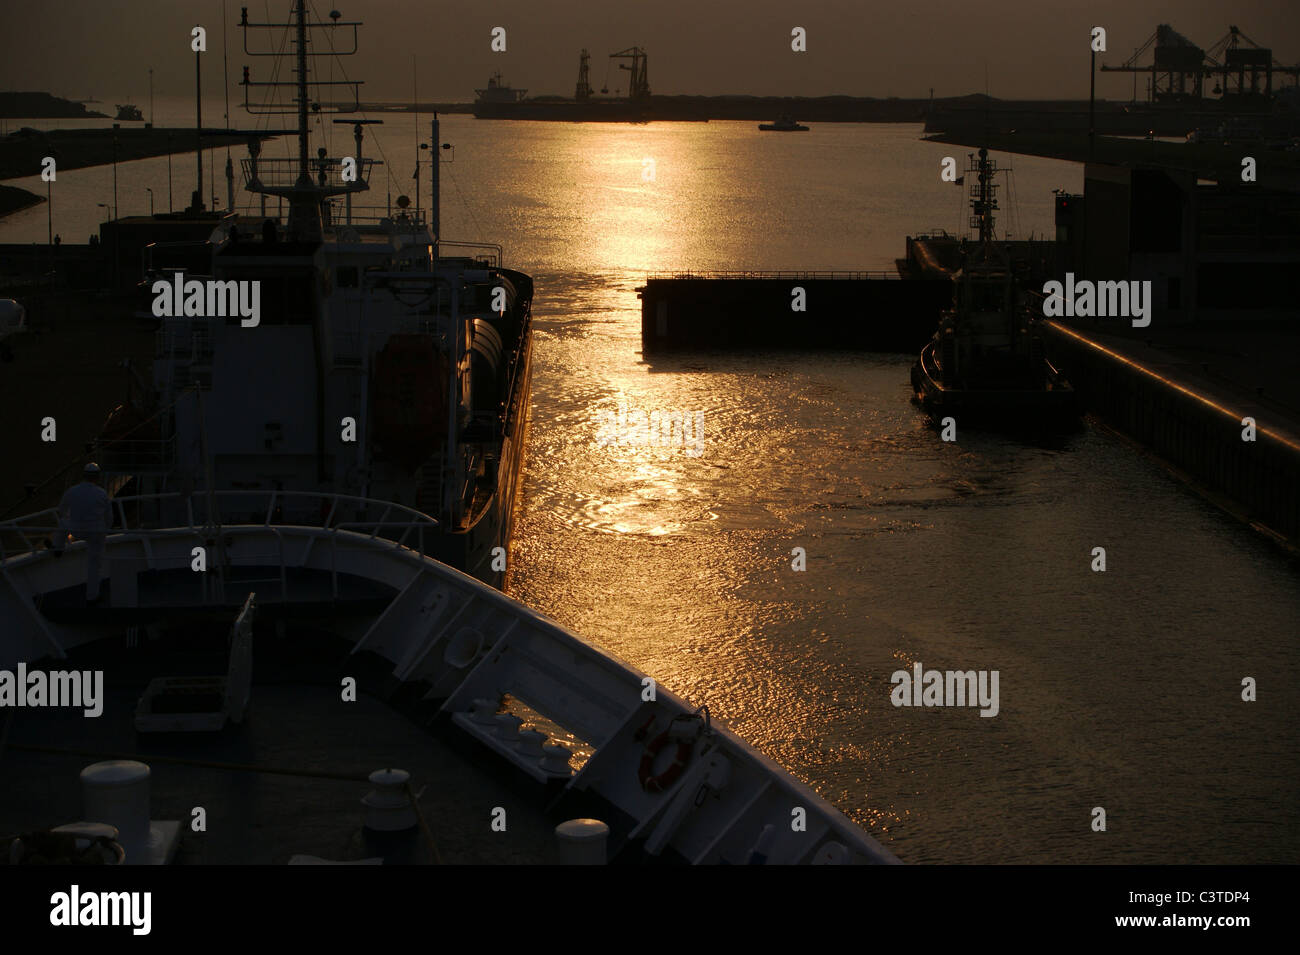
[1180, 67]
[1246, 71]
[582, 92]
[1177, 70]
[639, 86]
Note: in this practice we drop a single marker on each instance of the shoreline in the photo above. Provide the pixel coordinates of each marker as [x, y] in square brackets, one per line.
[14, 199]
[21, 154]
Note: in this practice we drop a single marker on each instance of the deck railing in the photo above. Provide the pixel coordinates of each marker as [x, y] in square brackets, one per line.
[146, 514]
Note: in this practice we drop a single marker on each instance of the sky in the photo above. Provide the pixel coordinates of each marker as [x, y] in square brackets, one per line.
[1025, 48]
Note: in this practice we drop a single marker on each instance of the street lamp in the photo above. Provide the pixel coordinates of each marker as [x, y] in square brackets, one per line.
[108, 210]
[150, 191]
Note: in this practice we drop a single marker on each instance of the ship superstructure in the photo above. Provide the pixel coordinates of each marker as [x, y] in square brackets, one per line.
[379, 366]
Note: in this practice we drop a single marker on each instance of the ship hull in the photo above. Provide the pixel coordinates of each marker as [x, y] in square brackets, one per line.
[471, 550]
[1053, 407]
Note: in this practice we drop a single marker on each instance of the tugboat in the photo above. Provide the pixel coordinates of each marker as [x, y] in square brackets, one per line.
[986, 366]
[785, 124]
[129, 113]
[305, 474]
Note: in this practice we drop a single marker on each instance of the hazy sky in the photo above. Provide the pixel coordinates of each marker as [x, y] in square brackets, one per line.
[1030, 48]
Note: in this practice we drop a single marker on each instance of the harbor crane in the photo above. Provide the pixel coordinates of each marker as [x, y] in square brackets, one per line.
[1245, 70]
[582, 92]
[1179, 67]
[639, 85]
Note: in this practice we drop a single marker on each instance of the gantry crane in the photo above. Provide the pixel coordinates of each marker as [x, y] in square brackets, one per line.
[1246, 71]
[1180, 67]
[1177, 70]
[639, 86]
[582, 92]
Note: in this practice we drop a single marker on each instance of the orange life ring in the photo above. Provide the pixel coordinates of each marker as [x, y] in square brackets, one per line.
[646, 772]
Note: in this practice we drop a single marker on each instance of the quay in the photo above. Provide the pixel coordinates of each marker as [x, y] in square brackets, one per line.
[869, 311]
[1186, 398]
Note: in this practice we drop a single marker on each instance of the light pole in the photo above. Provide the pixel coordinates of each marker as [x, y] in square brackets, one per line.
[170, 207]
[1092, 99]
[150, 191]
[49, 210]
[114, 175]
[198, 124]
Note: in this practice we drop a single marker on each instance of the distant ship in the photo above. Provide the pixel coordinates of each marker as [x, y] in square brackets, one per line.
[986, 365]
[130, 113]
[497, 92]
[783, 125]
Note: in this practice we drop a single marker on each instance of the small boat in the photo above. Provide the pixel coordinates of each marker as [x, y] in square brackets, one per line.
[986, 366]
[783, 125]
[129, 113]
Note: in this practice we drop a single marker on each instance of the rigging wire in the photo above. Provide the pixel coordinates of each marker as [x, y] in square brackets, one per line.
[334, 57]
[478, 229]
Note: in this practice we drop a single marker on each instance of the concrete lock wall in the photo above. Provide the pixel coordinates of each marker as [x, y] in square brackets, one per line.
[1190, 431]
[871, 313]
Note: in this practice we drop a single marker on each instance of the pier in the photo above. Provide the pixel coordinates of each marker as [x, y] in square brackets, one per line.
[870, 311]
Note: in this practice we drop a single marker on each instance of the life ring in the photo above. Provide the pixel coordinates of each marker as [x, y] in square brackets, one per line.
[646, 772]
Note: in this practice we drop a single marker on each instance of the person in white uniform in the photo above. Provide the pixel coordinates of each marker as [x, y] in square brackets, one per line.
[85, 513]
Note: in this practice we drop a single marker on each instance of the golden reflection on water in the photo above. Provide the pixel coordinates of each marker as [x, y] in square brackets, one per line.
[959, 557]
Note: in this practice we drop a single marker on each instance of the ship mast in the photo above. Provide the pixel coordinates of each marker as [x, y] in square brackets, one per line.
[983, 199]
[305, 196]
[300, 29]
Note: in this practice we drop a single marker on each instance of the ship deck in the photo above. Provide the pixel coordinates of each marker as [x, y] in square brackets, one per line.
[312, 752]
[297, 592]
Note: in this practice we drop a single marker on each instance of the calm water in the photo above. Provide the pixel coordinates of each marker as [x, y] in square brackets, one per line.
[1119, 690]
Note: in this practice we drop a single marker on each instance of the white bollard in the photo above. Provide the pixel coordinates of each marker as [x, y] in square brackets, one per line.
[116, 793]
[388, 809]
[582, 841]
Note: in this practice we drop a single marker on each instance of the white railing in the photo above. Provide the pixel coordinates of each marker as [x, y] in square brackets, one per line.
[488, 253]
[25, 534]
